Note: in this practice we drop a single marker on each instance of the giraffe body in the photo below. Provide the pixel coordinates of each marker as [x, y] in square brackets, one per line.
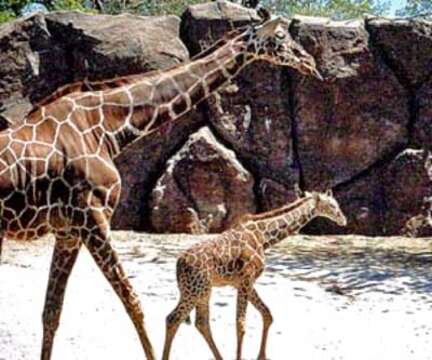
[237, 258]
[57, 172]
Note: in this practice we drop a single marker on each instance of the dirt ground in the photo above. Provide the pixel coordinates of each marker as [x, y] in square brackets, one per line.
[331, 298]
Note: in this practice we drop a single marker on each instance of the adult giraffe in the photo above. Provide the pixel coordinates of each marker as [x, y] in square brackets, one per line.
[57, 173]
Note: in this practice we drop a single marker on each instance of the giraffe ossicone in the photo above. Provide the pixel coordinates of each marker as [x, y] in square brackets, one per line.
[57, 173]
[237, 258]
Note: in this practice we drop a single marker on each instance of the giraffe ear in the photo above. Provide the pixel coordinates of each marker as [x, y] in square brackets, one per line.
[269, 27]
[264, 14]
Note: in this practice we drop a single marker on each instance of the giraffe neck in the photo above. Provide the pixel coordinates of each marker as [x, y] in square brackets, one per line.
[283, 224]
[139, 108]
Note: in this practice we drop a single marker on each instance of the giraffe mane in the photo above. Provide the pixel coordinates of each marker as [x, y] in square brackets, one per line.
[274, 212]
[85, 85]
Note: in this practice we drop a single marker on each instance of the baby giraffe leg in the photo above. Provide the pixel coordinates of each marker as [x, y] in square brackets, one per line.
[267, 320]
[173, 321]
[202, 323]
[242, 301]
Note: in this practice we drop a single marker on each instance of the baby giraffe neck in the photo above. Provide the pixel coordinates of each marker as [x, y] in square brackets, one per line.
[282, 225]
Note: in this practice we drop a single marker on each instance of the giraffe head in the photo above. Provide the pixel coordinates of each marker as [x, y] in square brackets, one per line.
[271, 41]
[327, 206]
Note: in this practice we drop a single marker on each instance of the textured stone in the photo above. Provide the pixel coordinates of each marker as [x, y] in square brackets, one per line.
[106, 46]
[204, 176]
[43, 52]
[203, 24]
[252, 114]
[273, 195]
[353, 119]
[406, 45]
[140, 165]
[422, 129]
[33, 64]
[407, 184]
[363, 204]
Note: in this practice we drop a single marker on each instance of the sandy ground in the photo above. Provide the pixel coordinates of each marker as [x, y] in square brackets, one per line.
[331, 297]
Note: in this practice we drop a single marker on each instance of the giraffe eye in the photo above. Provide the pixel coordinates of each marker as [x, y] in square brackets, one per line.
[280, 35]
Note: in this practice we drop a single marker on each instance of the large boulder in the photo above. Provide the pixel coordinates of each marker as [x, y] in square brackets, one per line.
[422, 128]
[204, 179]
[252, 114]
[141, 164]
[362, 202]
[406, 45]
[33, 64]
[272, 195]
[355, 117]
[203, 24]
[391, 199]
[42, 52]
[407, 185]
[107, 46]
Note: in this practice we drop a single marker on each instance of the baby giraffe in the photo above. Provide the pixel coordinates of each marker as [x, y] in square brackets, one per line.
[236, 257]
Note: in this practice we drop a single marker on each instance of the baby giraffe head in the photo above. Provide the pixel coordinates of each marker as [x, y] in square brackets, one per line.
[327, 206]
[271, 41]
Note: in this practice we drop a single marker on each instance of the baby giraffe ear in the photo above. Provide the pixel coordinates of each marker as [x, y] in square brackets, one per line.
[298, 192]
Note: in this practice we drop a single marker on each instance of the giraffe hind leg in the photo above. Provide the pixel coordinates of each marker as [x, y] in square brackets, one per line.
[173, 321]
[242, 300]
[202, 323]
[267, 317]
[64, 257]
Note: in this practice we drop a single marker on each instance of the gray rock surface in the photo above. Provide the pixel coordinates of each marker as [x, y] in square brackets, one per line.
[407, 185]
[252, 114]
[355, 117]
[40, 53]
[365, 130]
[422, 128]
[406, 45]
[33, 64]
[204, 176]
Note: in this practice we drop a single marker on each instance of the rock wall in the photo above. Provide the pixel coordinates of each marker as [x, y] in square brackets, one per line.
[365, 131]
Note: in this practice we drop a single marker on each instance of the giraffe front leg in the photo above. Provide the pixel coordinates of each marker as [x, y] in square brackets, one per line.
[98, 244]
[267, 320]
[63, 260]
[242, 301]
[173, 321]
